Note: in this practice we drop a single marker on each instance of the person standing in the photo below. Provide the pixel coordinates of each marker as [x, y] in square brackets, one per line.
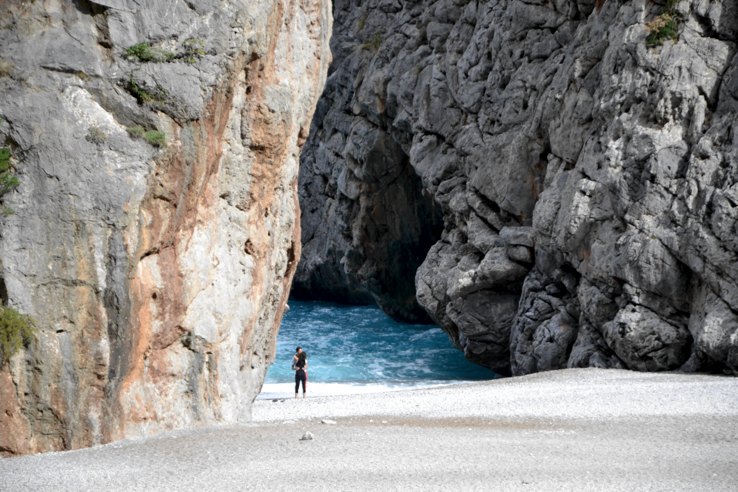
[299, 364]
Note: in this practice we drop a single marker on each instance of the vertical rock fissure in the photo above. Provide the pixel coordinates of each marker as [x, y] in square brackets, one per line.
[117, 306]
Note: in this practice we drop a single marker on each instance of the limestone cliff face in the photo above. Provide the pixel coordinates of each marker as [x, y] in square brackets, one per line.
[586, 175]
[157, 276]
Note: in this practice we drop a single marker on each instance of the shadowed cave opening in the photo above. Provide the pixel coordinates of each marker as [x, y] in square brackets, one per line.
[374, 258]
[353, 305]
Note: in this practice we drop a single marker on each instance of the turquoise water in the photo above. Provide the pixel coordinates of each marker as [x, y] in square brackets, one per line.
[360, 345]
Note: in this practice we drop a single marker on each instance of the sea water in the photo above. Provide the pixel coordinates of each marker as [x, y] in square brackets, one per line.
[354, 349]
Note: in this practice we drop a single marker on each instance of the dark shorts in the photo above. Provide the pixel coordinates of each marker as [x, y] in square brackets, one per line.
[300, 377]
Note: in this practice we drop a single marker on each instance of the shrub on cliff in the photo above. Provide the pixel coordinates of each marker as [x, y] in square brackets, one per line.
[144, 52]
[144, 95]
[152, 137]
[665, 26]
[8, 180]
[662, 28]
[155, 138]
[16, 330]
[194, 49]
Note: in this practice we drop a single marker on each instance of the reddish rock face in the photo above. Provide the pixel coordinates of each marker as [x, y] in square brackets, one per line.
[157, 276]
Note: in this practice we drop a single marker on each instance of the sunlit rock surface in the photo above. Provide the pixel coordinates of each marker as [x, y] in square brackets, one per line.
[157, 276]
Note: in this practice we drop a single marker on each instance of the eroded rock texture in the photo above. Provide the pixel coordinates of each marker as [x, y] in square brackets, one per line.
[587, 181]
[157, 276]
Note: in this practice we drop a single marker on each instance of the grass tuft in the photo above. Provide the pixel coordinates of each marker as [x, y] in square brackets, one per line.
[152, 137]
[136, 131]
[155, 138]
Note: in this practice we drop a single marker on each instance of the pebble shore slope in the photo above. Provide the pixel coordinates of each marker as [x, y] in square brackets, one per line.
[584, 429]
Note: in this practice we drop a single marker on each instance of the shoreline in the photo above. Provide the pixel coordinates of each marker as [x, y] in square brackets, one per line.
[282, 391]
[591, 393]
[584, 429]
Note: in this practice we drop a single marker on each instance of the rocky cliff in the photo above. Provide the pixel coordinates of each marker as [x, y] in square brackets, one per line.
[582, 157]
[155, 231]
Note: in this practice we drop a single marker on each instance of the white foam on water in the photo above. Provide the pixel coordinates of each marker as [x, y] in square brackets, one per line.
[360, 346]
[272, 391]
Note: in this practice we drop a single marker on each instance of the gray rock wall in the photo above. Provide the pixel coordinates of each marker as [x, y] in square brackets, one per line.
[586, 177]
[157, 276]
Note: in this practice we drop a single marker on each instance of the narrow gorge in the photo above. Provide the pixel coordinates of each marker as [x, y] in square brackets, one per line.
[552, 182]
[561, 177]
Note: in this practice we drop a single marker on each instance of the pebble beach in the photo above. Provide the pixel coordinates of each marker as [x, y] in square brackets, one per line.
[577, 429]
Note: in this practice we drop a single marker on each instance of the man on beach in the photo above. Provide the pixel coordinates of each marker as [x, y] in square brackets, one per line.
[299, 364]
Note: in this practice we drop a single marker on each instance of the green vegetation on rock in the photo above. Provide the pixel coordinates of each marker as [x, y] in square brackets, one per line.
[144, 52]
[144, 95]
[8, 180]
[152, 137]
[155, 138]
[194, 49]
[664, 27]
[16, 330]
[136, 131]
